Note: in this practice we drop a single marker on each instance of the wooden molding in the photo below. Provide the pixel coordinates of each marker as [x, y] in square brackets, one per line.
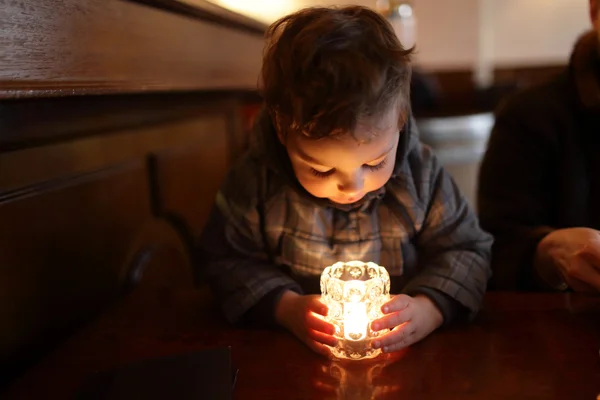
[208, 11]
[27, 123]
[96, 47]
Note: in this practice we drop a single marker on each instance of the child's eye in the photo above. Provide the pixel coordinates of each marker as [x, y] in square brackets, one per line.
[320, 174]
[378, 166]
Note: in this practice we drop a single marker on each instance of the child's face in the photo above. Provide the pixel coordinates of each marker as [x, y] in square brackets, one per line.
[346, 167]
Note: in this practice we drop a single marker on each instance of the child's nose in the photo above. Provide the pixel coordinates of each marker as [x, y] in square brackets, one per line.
[352, 187]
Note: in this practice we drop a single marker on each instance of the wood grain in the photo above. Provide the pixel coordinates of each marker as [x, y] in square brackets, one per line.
[66, 250]
[90, 92]
[188, 197]
[111, 46]
[207, 11]
[81, 222]
[524, 346]
[34, 122]
[60, 141]
[187, 177]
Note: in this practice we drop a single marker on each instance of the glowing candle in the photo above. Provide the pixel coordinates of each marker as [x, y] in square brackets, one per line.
[355, 321]
[354, 293]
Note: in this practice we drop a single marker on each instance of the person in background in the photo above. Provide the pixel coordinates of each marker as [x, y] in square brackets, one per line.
[336, 173]
[539, 186]
[425, 93]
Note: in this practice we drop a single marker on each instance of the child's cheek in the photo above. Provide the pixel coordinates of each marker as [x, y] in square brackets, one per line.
[318, 187]
[377, 180]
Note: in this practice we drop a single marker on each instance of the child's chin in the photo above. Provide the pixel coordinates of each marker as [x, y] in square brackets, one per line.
[346, 201]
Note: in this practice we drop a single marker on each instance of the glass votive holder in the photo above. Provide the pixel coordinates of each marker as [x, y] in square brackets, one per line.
[354, 293]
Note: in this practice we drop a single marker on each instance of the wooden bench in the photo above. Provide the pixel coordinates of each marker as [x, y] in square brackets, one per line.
[118, 122]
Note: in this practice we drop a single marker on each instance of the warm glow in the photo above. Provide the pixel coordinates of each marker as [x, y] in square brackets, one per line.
[405, 11]
[266, 11]
[355, 321]
[354, 293]
[383, 6]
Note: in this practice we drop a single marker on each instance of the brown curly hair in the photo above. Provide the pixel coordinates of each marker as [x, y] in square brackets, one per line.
[326, 69]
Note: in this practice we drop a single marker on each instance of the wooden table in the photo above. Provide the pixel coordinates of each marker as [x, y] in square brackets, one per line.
[522, 346]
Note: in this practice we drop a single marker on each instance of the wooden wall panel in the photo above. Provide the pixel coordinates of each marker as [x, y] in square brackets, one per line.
[188, 177]
[56, 48]
[31, 165]
[66, 247]
[118, 121]
[87, 215]
[33, 122]
[458, 94]
[526, 76]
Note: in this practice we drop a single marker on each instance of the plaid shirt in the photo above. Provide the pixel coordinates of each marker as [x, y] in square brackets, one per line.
[266, 232]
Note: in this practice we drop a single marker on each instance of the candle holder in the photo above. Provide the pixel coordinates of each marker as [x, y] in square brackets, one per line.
[354, 293]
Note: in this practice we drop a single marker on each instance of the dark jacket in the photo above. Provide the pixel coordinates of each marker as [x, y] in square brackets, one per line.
[267, 234]
[542, 168]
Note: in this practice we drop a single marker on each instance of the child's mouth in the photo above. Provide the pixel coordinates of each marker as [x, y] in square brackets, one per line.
[348, 200]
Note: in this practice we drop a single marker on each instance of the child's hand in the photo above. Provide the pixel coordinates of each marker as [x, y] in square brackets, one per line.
[413, 317]
[301, 316]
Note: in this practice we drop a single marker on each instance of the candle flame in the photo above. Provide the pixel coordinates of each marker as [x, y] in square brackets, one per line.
[355, 320]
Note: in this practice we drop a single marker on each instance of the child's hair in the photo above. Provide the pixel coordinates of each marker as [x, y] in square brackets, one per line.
[326, 69]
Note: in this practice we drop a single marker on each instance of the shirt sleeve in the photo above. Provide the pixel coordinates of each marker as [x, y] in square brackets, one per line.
[232, 256]
[453, 251]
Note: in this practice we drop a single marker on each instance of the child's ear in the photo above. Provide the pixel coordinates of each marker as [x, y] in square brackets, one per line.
[281, 137]
[280, 134]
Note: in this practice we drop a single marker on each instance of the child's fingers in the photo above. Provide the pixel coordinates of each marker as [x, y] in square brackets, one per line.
[397, 303]
[317, 323]
[322, 338]
[583, 276]
[399, 338]
[315, 305]
[392, 320]
[591, 253]
[319, 348]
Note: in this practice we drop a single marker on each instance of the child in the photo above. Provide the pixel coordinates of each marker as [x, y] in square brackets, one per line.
[336, 173]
